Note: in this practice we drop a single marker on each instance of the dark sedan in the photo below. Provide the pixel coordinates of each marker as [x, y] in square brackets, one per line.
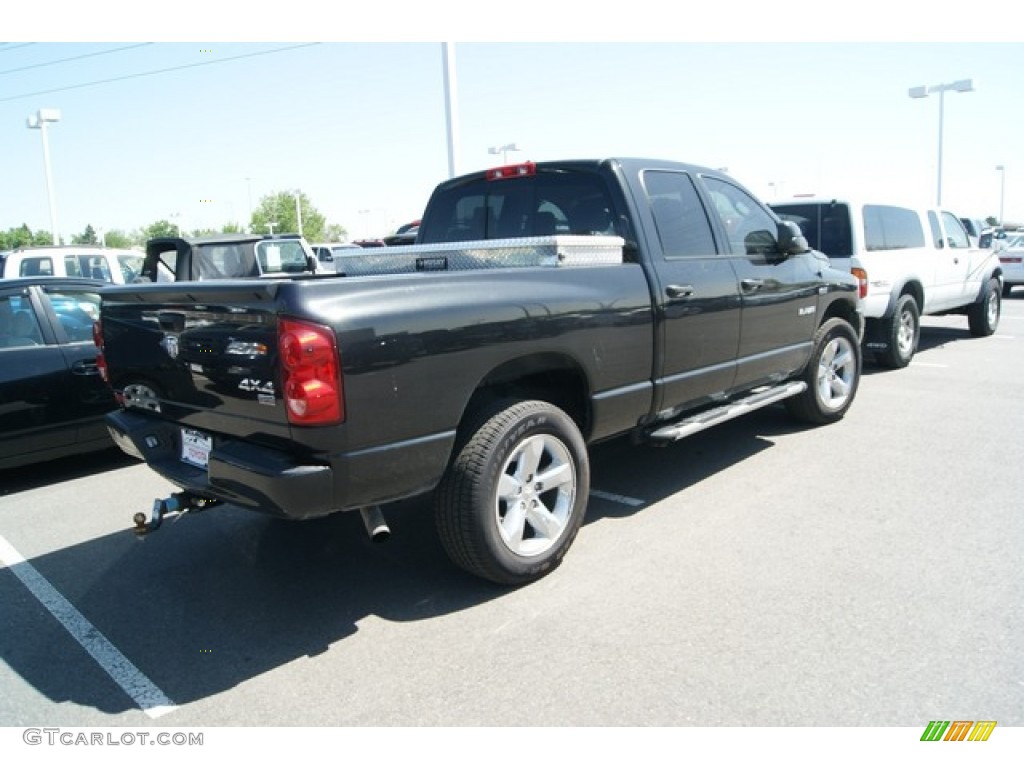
[52, 399]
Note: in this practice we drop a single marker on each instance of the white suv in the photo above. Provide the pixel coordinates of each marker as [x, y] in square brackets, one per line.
[914, 262]
[113, 265]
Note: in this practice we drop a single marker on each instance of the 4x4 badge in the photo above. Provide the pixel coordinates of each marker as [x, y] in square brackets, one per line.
[170, 345]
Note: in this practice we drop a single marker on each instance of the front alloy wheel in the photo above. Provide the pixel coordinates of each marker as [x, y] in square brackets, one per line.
[983, 316]
[832, 375]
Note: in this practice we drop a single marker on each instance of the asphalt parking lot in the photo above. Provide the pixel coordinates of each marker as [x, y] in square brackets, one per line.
[867, 573]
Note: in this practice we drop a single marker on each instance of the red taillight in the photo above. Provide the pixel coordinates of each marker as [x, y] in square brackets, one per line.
[101, 359]
[512, 171]
[862, 281]
[311, 373]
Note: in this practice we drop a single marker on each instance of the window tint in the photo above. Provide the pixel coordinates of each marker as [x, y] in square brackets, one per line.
[933, 225]
[19, 326]
[955, 234]
[71, 267]
[131, 266]
[76, 311]
[214, 262]
[888, 227]
[547, 203]
[95, 267]
[825, 225]
[280, 256]
[751, 229]
[679, 217]
[36, 266]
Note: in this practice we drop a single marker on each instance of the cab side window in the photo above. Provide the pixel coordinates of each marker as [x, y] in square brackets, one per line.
[36, 266]
[956, 235]
[751, 230]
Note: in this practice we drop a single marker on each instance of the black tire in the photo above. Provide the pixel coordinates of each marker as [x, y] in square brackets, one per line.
[983, 316]
[902, 333]
[832, 375]
[514, 497]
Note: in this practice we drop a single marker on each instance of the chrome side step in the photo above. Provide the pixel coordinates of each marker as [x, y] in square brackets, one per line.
[693, 424]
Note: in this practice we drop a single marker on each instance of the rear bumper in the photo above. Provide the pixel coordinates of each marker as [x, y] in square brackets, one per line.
[255, 477]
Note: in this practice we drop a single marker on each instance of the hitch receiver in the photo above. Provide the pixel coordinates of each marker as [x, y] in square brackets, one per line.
[175, 504]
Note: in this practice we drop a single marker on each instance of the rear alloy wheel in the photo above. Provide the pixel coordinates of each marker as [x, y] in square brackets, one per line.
[902, 332]
[514, 497]
[141, 395]
[831, 375]
[983, 316]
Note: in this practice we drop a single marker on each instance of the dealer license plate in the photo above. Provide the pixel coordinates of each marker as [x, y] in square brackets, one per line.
[195, 448]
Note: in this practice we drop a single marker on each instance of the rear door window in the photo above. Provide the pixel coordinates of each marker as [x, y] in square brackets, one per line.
[892, 228]
[19, 326]
[76, 310]
[679, 216]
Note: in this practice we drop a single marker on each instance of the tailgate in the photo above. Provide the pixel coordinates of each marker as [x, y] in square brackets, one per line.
[204, 355]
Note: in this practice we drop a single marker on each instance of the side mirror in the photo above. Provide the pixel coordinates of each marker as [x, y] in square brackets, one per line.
[791, 239]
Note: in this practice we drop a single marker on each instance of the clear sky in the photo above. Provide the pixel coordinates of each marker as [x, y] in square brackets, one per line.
[198, 130]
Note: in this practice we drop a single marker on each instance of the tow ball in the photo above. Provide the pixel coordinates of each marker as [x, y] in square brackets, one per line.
[174, 505]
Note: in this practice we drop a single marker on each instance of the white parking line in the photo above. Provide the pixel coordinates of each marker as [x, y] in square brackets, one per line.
[143, 692]
[627, 500]
[928, 365]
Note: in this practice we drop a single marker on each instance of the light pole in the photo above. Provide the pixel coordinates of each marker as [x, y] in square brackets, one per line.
[921, 92]
[503, 150]
[248, 186]
[1002, 191]
[39, 120]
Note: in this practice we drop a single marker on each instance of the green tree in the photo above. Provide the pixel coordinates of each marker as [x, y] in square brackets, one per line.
[88, 237]
[336, 233]
[23, 237]
[162, 228]
[115, 238]
[280, 210]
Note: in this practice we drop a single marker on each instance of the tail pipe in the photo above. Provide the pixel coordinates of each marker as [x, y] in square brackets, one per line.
[376, 525]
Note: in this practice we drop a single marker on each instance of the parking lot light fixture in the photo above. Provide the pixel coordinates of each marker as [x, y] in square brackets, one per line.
[39, 121]
[921, 92]
[503, 150]
[1002, 190]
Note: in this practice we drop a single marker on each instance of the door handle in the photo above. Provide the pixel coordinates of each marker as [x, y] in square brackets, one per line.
[750, 284]
[679, 291]
[83, 368]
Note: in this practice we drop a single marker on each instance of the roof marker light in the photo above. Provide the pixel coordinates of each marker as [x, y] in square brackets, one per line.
[512, 171]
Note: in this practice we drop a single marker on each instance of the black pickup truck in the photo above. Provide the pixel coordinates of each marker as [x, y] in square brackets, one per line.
[544, 307]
